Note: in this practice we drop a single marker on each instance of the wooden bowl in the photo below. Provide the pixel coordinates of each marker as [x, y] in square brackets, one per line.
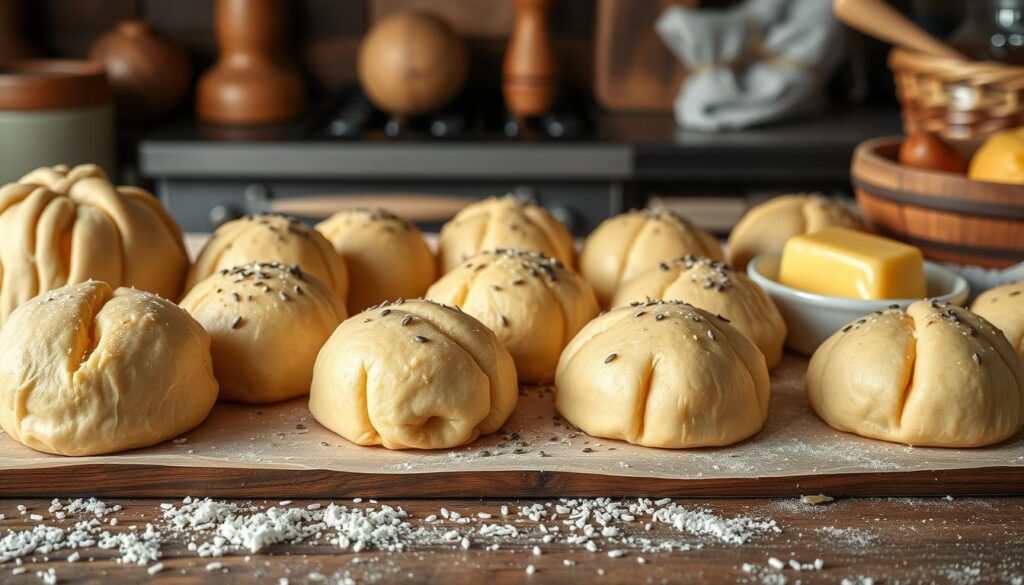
[950, 217]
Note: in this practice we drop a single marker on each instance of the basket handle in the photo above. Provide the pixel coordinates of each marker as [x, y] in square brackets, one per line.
[877, 19]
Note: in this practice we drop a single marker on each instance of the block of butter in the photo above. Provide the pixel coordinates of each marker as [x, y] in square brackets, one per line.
[846, 263]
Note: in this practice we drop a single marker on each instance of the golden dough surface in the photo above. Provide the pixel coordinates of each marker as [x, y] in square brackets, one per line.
[86, 370]
[936, 375]
[413, 375]
[1003, 306]
[663, 374]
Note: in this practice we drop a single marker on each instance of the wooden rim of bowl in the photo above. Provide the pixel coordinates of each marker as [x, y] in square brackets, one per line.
[52, 84]
[883, 177]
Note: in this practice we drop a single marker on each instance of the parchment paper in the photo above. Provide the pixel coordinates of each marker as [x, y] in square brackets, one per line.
[793, 442]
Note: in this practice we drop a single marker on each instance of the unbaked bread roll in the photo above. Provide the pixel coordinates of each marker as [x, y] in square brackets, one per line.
[718, 289]
[86, 370]
[503, 222]
[386, 256]
[628, 244]
[267, 322]
[1003, 306]
[766, 227]
[663, 374]
[532, 302]
[63, 226]
[413, 374]
[937, 375]
[271, 238]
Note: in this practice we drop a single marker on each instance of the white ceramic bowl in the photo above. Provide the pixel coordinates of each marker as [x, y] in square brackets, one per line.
[812, 318]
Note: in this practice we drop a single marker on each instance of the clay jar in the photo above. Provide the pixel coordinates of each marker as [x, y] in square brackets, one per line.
[148, 73]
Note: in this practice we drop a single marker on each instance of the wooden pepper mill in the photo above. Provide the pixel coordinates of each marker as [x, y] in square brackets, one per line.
[530, 71]
[252, 82]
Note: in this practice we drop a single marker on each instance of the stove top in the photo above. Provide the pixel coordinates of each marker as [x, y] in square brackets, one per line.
[474, 115]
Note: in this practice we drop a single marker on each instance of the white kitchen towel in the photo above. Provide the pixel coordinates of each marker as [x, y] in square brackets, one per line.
[759, 61]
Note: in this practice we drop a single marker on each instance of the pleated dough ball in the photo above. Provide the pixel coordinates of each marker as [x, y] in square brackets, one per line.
[64, 226]
[663, 374]
[532, 302]
[937, 375]
[271, 238]
[267, 321]
[386, 256]
[1003, 306]
[503, 222]
[718, 289]
[628, 244]
[414, 374]
[766, 227]
[87, 370]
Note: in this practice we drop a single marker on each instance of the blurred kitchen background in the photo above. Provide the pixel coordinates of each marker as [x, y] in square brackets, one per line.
[567, 101]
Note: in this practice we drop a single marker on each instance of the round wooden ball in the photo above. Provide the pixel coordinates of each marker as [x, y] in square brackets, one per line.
[148, 73]
[411, 63]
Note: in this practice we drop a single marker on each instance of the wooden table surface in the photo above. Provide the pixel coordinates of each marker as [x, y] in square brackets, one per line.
[904, 540]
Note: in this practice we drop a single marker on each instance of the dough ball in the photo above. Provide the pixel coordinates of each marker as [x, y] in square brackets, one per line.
[663, 374]
[1003, 306]
[87, 370]
[718, 289]
[267, 321]
[64, 226]
[271, 238]
[766, 227]
[386, 256]
[936, 375]
[413, 374]
[628, 244]
[503, 222]
[532, 302]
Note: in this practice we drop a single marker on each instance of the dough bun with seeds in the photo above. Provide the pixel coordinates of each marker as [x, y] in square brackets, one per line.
[936, 375]
[663, 374]
[271, 238]
[1003, 306]
[625, 245]
[766, 227]
[86, 369]
[386, 256]
[267, 322]
[715, 287]
[62, 225]
[413, 375]
[532, 302]
[503, 222]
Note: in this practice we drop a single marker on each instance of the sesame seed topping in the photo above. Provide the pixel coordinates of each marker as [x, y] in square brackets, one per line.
[419, 339]
[385, 312]
[611, 358]
[504, 320]
[284, 296]
[297, 289]
[711, 335]
[236, 322]
[659, 317]
[235, 296]
[406, 320]
[977, 358]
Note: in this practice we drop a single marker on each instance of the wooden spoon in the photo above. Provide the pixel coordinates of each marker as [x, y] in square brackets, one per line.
[879, 20]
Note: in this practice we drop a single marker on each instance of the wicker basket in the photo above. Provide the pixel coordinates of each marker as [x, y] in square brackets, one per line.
[961, 102]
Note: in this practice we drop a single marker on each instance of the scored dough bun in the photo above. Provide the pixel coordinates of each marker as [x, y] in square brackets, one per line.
[64, 226]
[86, 370]
[386, 256]
[503, 222]
[1003, 306]
[625, 245]
[413, 374]
[267, 322]
[271, 238]
[937, 375]
[532, 302]
[663, 374]
[718, 289]
[766, 227]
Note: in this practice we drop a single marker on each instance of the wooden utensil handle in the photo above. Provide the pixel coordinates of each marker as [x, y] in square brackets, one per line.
[879, 20]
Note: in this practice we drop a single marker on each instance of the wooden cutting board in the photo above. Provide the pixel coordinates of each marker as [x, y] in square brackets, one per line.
[634, 70]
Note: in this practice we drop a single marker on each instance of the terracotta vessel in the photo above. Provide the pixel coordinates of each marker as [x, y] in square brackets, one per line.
[530, 70]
